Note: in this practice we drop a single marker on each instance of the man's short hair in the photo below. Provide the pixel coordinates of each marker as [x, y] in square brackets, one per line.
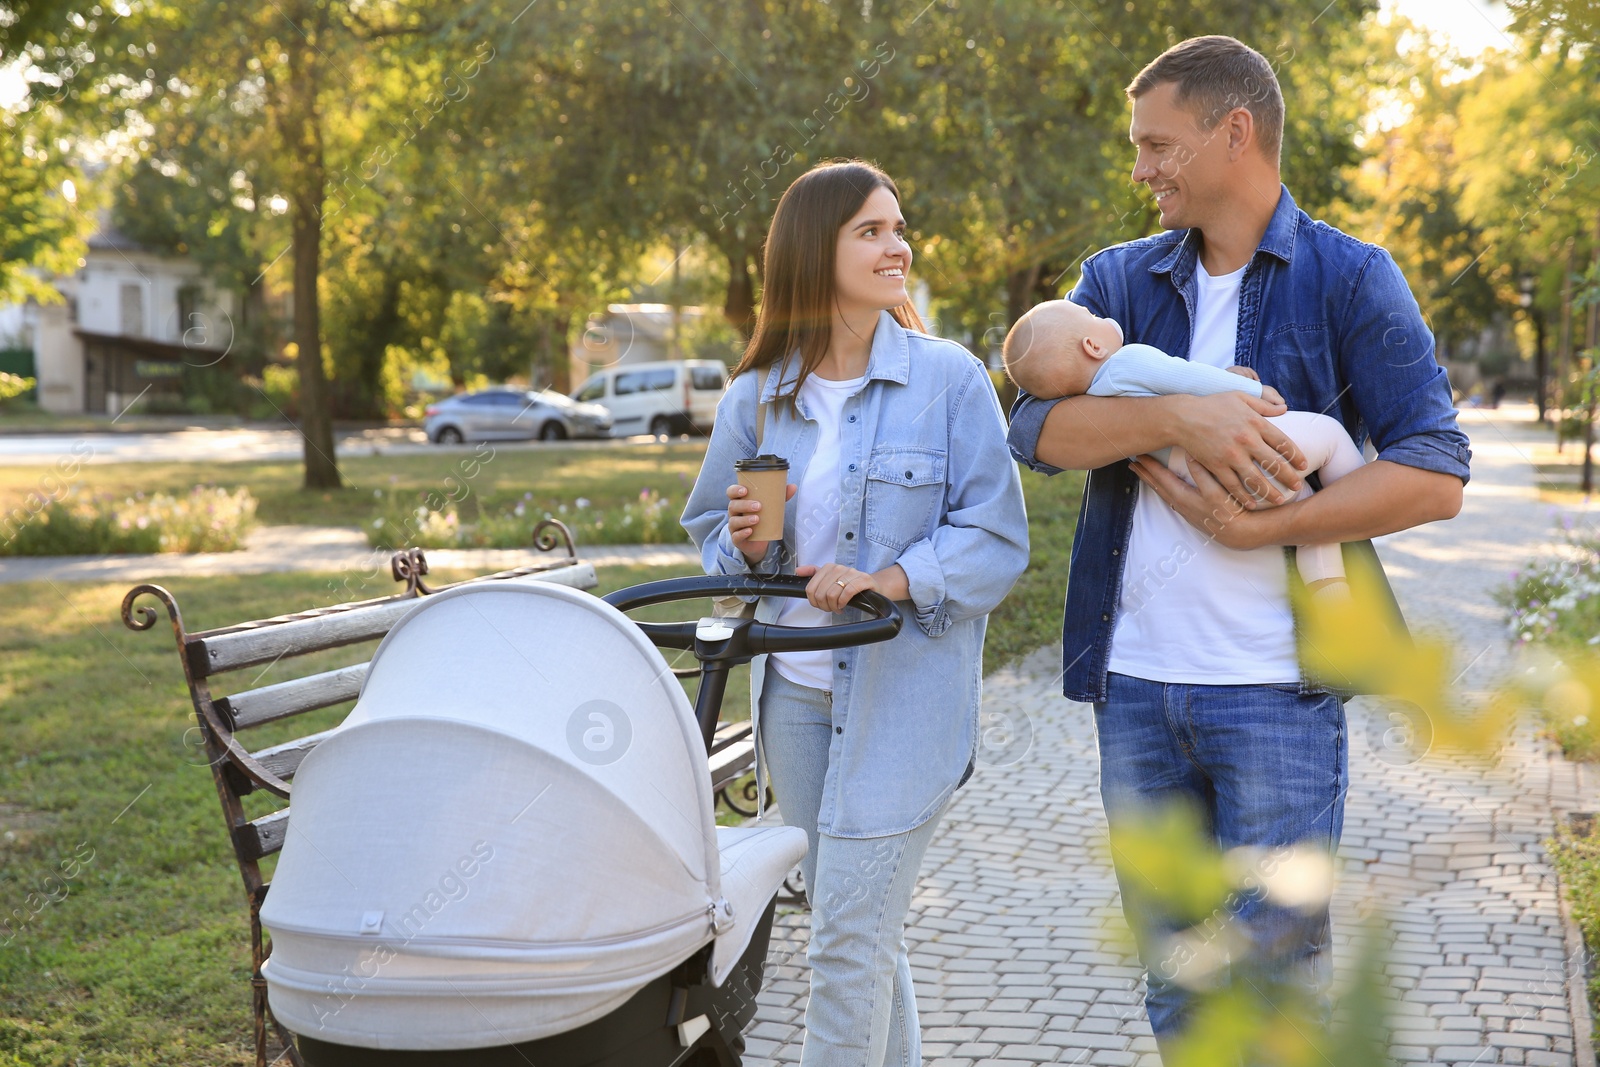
[1214, 75]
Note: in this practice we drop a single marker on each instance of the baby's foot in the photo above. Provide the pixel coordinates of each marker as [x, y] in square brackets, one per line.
[1329, 590]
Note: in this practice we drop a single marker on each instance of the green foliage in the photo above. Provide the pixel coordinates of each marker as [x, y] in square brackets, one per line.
[609, 475]
[39, 227]
[650, 519]
[1552, 605]
[1165, 859]
[1570, 24]
[1030, 618]
[13, 386]
[207, 519]
[1575, 851]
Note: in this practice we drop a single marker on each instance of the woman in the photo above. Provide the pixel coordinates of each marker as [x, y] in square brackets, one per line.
[902, 483]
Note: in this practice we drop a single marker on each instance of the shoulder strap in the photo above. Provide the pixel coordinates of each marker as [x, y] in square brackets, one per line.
[761, 406]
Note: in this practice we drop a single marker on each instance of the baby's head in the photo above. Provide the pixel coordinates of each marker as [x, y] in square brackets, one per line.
[1056, 347]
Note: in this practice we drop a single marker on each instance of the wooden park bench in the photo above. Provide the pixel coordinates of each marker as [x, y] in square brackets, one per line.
[209, 655]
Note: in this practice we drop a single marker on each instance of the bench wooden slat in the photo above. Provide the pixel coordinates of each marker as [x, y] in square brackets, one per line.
[284, 760]
[728, 733]
[732, 763]
[251, 647]
[265, 835]
[248, 648]
[253, 707]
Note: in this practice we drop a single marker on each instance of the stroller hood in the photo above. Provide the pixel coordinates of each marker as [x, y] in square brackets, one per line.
[508, 836]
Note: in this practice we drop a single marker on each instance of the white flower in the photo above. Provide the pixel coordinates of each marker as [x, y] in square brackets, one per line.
[377, 524]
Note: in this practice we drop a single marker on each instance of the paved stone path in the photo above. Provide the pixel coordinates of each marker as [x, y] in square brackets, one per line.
[1017, 940]
[312, 548]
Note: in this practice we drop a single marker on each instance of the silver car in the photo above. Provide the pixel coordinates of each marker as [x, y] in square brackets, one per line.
[513, 415]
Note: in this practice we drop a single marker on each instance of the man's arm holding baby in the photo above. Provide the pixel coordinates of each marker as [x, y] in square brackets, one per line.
[1227, 432]
[1423, 457]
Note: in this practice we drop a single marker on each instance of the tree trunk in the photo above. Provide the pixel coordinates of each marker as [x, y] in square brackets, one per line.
[557, 330]
[302, 140]
[1592, 347]
[1541, 365]
[739, 307]
[1564, 349]
[366, 400]
[1021, 292]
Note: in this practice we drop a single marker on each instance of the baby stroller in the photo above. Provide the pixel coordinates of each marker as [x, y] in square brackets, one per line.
[562, 895]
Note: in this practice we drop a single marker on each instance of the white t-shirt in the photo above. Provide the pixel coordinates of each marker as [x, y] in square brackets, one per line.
[1191, 610]
[816, 506]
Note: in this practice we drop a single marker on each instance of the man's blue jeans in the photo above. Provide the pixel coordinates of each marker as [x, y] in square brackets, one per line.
[1266, 767]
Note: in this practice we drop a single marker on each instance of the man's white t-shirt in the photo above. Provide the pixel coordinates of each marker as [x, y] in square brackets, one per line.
[816, 523]
[1191, 610]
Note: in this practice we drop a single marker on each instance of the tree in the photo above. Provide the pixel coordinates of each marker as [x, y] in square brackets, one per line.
[1536, 204]
[1409, 189]
[1010, 121]
[285, 92]
[41, 225]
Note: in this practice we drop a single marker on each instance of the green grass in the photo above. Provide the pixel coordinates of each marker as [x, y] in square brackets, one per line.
[27, 417]
[1031, 616]
[607, 475]
[1575, 850]
[143, 958]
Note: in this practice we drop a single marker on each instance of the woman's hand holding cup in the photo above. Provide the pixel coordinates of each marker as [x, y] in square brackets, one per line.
[743, 515]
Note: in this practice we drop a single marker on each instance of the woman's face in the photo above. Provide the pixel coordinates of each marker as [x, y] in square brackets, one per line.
[872, 259]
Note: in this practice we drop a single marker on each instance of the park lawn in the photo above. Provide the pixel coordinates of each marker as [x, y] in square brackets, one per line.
[490, 476]
[143, 958]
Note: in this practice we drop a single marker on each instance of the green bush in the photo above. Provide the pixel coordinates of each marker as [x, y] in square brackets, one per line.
[208, 519]
[1556, 600]
[13, 386]
[650, 520]
[1553, 603]
[1576, 853]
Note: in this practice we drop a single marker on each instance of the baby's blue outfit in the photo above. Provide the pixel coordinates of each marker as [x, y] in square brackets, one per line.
[1143, 370]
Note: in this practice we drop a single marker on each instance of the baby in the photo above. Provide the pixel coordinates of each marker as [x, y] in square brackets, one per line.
[1059, 349]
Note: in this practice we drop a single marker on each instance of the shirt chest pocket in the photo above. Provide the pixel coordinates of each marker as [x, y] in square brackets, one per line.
[905, 486]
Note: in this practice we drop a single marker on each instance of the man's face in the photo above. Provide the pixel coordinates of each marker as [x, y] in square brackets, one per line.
[1184, 166]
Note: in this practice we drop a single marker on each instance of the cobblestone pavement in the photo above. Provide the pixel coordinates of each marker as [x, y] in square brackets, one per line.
[1017, 941]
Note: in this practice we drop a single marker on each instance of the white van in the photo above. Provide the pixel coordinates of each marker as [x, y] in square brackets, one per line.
[661, 399]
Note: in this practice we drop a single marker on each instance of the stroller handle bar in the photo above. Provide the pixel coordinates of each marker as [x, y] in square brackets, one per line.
[761, 637]
[721, 644]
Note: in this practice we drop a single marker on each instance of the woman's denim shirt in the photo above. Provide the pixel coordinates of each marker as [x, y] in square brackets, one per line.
[926, 481]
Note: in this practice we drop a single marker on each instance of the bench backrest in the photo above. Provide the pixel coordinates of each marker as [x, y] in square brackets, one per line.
[211, 658]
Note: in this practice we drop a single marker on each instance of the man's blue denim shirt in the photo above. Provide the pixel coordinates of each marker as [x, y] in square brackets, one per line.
[1325, 319]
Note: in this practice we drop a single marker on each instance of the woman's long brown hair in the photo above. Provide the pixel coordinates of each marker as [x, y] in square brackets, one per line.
[797, 295]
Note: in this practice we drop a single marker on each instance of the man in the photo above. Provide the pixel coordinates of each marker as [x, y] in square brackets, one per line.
[1178, 621]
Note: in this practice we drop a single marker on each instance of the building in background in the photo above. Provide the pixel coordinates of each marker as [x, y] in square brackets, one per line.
[131, 321]
[635, 333]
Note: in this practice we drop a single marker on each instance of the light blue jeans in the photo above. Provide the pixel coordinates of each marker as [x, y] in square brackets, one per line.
[863, 1010]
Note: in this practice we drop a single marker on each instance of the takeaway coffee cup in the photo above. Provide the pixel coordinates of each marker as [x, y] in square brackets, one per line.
[767, 479]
